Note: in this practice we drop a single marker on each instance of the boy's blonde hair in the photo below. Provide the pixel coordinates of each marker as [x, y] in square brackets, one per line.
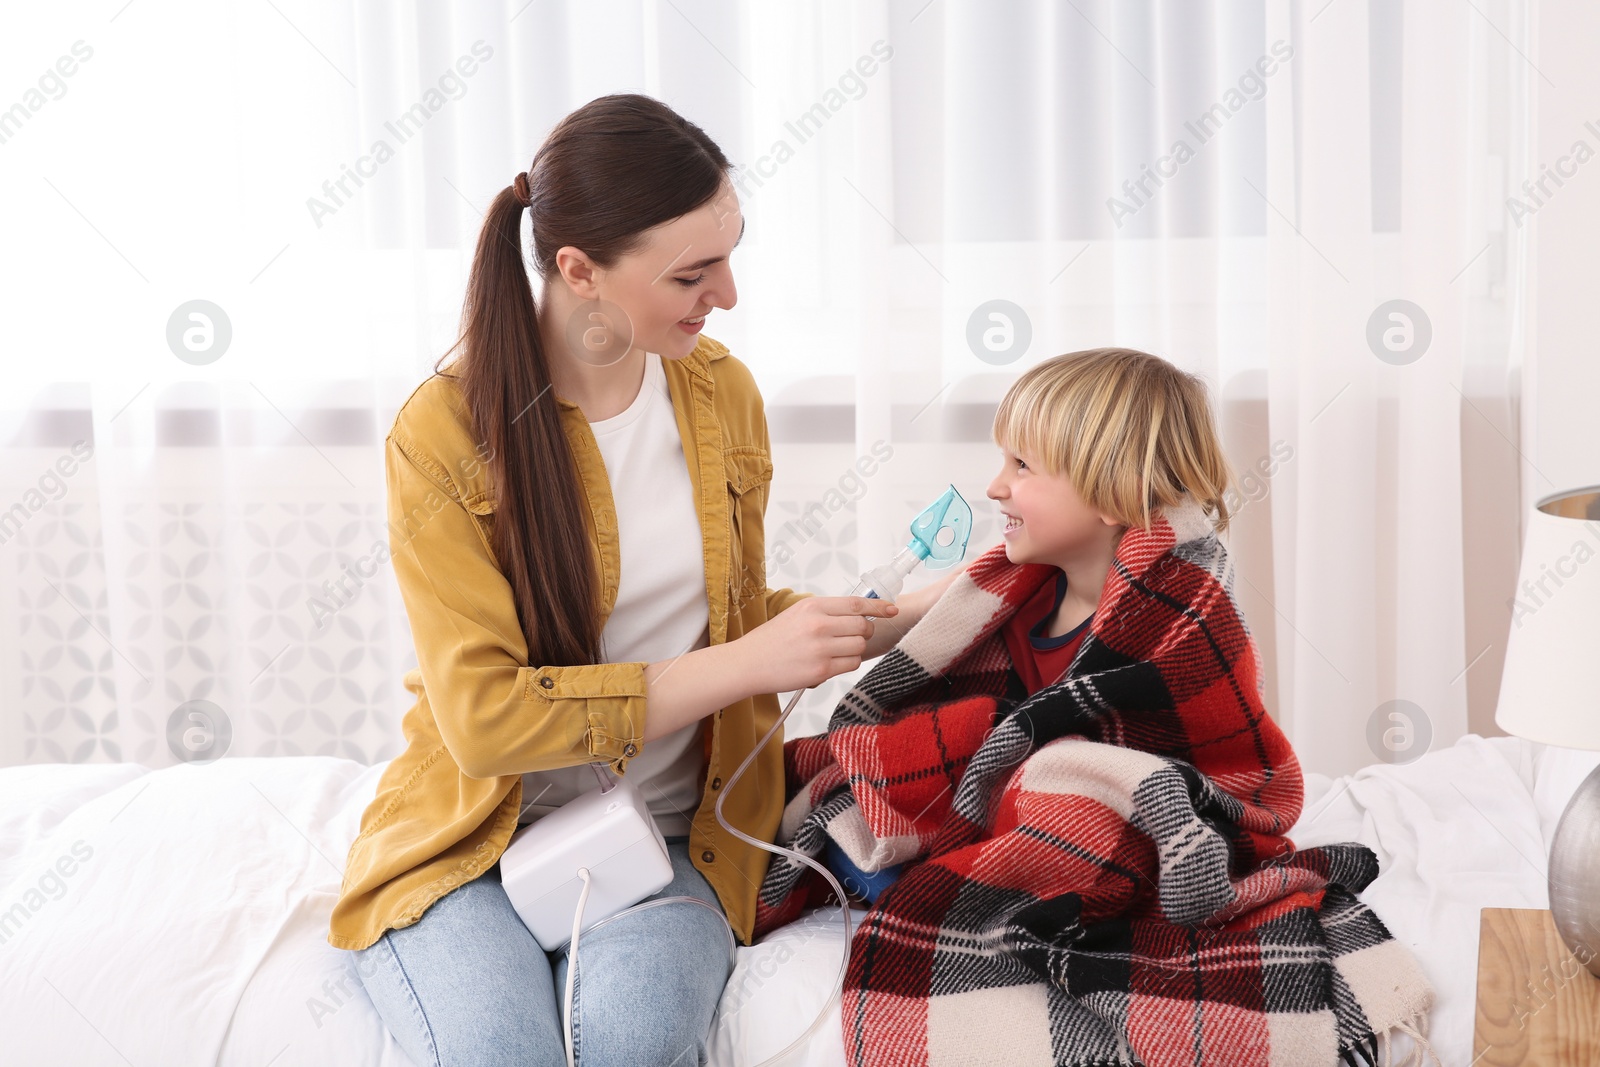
[1129, 430]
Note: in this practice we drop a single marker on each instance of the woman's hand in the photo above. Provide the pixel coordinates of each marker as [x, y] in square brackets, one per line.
[811, 641]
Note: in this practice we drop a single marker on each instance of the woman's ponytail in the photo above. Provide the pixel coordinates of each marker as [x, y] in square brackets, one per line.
[505, 382]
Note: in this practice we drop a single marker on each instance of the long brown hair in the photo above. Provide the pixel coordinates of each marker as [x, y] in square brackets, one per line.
[609, 171]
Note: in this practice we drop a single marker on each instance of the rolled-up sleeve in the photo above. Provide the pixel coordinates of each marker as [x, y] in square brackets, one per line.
[495, 713]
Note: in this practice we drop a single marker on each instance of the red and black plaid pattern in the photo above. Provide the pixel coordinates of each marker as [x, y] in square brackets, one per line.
[1097, 873]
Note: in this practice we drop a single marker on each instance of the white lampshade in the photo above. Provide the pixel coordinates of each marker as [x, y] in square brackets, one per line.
[1550, 690]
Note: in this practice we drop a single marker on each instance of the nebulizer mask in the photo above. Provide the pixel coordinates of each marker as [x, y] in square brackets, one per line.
[591, 860]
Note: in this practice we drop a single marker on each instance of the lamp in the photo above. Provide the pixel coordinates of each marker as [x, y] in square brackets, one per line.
[1550, 692]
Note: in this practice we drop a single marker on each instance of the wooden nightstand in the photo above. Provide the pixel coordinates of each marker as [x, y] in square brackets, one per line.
[1537, 1004]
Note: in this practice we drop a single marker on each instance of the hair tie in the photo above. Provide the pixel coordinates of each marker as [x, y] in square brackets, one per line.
[519, 188]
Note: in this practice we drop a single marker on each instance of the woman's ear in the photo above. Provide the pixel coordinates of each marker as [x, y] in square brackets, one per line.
[580, 273]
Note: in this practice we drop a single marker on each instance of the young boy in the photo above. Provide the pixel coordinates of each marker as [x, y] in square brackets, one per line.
[1092, 442]
[1062, 793]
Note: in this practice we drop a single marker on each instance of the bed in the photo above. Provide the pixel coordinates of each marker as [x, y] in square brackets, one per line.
[177, 916]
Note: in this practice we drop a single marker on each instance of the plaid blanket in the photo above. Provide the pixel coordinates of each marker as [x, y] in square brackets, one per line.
[1097, 873]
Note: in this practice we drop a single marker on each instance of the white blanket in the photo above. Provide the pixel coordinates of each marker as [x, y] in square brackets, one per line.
[179, 916]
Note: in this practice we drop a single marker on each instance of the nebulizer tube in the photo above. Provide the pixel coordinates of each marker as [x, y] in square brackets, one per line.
[577, 927]
[950, 513]
[606, 785]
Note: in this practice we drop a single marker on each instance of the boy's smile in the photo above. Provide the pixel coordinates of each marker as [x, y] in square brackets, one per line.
[1046, 520]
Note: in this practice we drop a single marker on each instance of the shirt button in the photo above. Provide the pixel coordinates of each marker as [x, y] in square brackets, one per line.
[629, 749]
[708, 855]
[547, 683]
[716, 783]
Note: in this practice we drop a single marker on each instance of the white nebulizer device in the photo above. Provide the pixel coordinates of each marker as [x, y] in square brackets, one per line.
[594, 858]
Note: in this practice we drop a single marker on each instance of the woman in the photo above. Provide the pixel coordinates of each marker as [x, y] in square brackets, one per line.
[576, 508]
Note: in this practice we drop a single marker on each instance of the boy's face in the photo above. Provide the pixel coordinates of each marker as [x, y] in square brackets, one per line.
[1047, 521]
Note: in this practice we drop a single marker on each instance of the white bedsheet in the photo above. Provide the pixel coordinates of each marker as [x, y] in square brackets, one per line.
[193, 931]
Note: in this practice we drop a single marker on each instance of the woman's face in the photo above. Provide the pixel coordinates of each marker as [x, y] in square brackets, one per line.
[665, 289]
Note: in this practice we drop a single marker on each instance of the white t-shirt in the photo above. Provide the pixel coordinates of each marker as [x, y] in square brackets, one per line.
[661, 608]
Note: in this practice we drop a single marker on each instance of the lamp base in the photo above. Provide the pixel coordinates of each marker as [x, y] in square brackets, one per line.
[1575, 874]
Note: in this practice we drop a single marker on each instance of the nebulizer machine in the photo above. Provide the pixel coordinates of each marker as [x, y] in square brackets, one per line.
[592, 859]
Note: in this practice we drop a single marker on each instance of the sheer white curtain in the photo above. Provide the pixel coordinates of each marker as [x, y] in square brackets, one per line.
[938, 195]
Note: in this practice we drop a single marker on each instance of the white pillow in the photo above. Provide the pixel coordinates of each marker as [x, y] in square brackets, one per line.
[777, 988]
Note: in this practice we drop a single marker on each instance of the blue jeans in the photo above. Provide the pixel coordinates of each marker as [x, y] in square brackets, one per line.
[467, 983]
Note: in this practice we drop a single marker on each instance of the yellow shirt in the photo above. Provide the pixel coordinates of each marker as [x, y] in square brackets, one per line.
[446, 807]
